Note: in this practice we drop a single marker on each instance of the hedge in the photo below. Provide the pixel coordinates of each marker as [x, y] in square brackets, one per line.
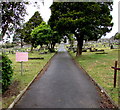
[6, 71]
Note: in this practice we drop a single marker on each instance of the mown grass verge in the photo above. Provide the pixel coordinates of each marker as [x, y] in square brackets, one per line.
[98, 66]
[30, 69]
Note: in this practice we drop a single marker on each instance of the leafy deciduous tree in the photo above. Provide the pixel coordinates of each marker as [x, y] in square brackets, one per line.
[43, 34]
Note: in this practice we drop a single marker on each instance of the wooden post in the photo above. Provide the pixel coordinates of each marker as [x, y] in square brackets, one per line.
[115, 74]
[21, 68]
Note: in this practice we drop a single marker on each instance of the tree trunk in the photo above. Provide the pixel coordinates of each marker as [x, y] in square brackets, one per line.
[41, 45]
[79, 45]
[21, 43]
[4, 30]
[31, 48]
[52, 46]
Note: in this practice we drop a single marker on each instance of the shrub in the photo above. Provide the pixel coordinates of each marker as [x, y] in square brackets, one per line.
[7, 72]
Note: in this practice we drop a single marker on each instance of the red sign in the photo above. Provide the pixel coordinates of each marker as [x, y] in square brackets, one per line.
[21, 56]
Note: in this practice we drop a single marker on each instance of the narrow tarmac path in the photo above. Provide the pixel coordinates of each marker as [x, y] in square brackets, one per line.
[63, 85]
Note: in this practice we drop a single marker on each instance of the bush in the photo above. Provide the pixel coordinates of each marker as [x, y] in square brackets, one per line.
[7, 72]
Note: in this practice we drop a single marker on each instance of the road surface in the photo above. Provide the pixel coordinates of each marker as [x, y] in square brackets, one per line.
[63, 85]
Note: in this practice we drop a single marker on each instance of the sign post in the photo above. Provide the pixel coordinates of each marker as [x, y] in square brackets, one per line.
[115, 74]
[20, 57]
[21, 68]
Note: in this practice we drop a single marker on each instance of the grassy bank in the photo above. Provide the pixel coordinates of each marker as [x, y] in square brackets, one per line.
[98, 66]
[30, 69]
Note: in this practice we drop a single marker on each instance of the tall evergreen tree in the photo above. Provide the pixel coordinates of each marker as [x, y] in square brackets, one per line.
[117, 36]
[86, 20]
[33, 22]
[24, 31]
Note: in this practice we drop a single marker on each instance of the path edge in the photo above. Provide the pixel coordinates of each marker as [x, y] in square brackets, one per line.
[42, 71]
[95, 82]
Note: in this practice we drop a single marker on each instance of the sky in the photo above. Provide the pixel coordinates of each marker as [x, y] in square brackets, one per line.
[114, 14]
[44, 10]
[45, 13]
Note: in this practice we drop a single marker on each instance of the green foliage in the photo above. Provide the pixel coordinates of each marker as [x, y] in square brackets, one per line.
[71, 39]
[41, 34]
[24, 32]
[28, 75]
[20, 34]
[12, 14]
[7, 72]
[117, 36]
[86, 20]
[33, 22]
[55, 38]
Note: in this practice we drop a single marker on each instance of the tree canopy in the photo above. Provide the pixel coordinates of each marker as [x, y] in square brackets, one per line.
[24, 31]
[117, 36]
[33, 22]
[43, 34]
[86, 20]
[12, 14]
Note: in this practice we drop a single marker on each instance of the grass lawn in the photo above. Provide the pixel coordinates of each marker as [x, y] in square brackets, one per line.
[98, 66]
[31, 68]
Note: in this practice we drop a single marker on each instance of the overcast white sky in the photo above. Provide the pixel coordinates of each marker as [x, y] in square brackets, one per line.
[114, 13]
[45, 13]
[44, 10]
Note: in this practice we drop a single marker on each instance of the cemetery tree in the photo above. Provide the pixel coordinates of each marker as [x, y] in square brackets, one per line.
[41, 35]
[86, 20]
[55, 38]
[71, 40]
[20, 34]
[33, 22]
[24, 31]
[44, 35]
[117, 36]
[12, 14]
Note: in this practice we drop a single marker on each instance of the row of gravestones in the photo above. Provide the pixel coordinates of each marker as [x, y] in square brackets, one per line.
[74, 49]
[111, 45]
[12, 51]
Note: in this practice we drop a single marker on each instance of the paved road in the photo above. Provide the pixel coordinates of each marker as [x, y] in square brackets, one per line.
[63, 85]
